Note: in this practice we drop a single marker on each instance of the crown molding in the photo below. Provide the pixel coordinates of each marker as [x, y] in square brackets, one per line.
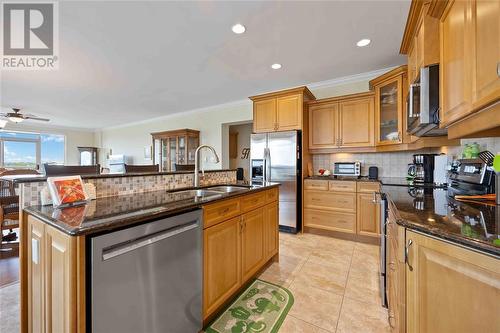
[233, 104]
[349, 79]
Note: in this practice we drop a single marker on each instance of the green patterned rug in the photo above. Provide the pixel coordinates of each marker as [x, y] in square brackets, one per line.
[262, 308]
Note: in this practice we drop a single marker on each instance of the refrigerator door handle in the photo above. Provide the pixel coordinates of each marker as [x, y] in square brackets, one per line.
[267, 165]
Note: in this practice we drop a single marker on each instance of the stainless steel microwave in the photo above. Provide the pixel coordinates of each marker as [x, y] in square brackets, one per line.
[423, 103]
[351, 169]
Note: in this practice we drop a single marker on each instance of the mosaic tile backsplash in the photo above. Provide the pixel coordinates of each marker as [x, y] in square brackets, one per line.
[107, 187]
[396, 164]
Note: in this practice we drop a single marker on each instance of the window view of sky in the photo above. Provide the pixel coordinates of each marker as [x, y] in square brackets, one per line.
[19, 152]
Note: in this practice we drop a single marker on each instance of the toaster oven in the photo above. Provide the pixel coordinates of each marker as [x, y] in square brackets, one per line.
[349, 169]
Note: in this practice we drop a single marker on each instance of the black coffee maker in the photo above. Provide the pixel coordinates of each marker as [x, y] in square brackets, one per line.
[424, 168]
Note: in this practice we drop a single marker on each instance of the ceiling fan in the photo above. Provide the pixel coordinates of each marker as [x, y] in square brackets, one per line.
[17, 116]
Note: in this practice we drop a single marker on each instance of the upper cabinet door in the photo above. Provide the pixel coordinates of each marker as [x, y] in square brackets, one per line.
[289, 112]
[264, 116]
[323, 126]
[356, 123]
[486, 43]
[389, 111]
[455, 77]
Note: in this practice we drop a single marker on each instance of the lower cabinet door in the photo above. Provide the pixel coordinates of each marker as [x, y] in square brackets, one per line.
[450, 288]
[252, 242]
[36, 273]
[368, 217]
[222, 263]
[271, 230]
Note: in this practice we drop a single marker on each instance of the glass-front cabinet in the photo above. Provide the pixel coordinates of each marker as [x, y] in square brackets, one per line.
[389, 110]
[172, 148]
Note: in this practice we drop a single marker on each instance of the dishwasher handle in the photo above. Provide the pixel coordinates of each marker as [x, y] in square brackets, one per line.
[122, 248]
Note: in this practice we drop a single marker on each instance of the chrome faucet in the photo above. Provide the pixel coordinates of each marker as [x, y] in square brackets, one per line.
[197, 162]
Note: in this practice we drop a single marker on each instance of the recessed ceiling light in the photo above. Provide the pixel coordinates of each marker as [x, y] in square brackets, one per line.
[363, 42]
[238, 28]
[276, 66]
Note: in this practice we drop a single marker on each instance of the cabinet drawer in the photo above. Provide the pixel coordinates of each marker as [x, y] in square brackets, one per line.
[272, 195]
[253, 201]
[345, 202]
[318, 185]
[220, 211]
[344, 222]
[342, 186]
[368, 187]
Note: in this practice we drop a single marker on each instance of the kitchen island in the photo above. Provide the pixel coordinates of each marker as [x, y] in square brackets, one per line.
[443, 261]
[238, 236]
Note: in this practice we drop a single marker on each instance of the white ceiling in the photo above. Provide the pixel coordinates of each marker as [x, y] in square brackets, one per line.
[126, 61]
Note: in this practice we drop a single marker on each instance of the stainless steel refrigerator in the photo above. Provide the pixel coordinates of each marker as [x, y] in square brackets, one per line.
[277, 157]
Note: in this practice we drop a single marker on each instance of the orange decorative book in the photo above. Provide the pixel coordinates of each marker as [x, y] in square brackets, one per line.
[67, 190]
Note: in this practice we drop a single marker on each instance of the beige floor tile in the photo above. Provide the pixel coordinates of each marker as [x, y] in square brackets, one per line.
[323, 277]
[315, 306]
[330, 258]
[364, 289]
[363, 269]
[357, 316]
[295, 249]
[283, 272]
[295, 325]
[361, 258]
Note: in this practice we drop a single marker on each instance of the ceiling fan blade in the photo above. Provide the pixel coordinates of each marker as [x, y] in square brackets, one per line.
[35, 118]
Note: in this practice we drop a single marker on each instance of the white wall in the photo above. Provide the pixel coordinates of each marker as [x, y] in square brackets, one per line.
[244, 131]
[73, 138]
[131, 139]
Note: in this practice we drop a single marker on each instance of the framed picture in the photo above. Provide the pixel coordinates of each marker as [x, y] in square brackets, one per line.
[67, 190]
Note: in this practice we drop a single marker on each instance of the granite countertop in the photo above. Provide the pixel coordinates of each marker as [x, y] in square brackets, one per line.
[105, 214]
[432, 211]
[40, 178]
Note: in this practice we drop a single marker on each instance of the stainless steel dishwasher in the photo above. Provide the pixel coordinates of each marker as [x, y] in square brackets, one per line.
[148, 278]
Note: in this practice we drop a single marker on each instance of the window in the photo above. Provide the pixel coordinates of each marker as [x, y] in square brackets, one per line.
[30, 150]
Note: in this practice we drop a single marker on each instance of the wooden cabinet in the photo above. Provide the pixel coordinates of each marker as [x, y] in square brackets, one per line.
[342, 122]
[289, 112]
[252, 242]
[356, 123]
[264, 116]
[54, 295]
[395, 275]
[485, 40]
[280, 111]
[455, 62]
[344, 206]
[450, 288]
[323, 126]
[240, 235]
[367, 215]
[271, 237]
[470, 57]
[368, 211]
[221, 263]
[174, 147]
[389, 107]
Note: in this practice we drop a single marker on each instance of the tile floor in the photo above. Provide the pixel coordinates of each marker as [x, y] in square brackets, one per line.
[334, 282]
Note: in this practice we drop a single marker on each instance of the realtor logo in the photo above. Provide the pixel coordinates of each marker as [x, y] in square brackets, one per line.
[29, 36]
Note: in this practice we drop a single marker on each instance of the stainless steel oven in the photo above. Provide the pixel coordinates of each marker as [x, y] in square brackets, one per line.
[423, 103]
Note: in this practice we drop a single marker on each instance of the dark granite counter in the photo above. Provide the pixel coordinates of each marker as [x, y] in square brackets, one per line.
[433, 212]
[17, 179]
[109, 213]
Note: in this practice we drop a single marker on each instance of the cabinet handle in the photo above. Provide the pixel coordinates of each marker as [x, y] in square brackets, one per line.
[407, 253]
[374, 200]
[224, 211]
[392, 266]
[391, 318]
[498, 69]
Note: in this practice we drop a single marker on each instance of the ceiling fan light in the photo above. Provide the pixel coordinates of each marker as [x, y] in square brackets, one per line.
[16, 119]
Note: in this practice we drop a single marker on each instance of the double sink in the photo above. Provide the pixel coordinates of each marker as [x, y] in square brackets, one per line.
[211, 192]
